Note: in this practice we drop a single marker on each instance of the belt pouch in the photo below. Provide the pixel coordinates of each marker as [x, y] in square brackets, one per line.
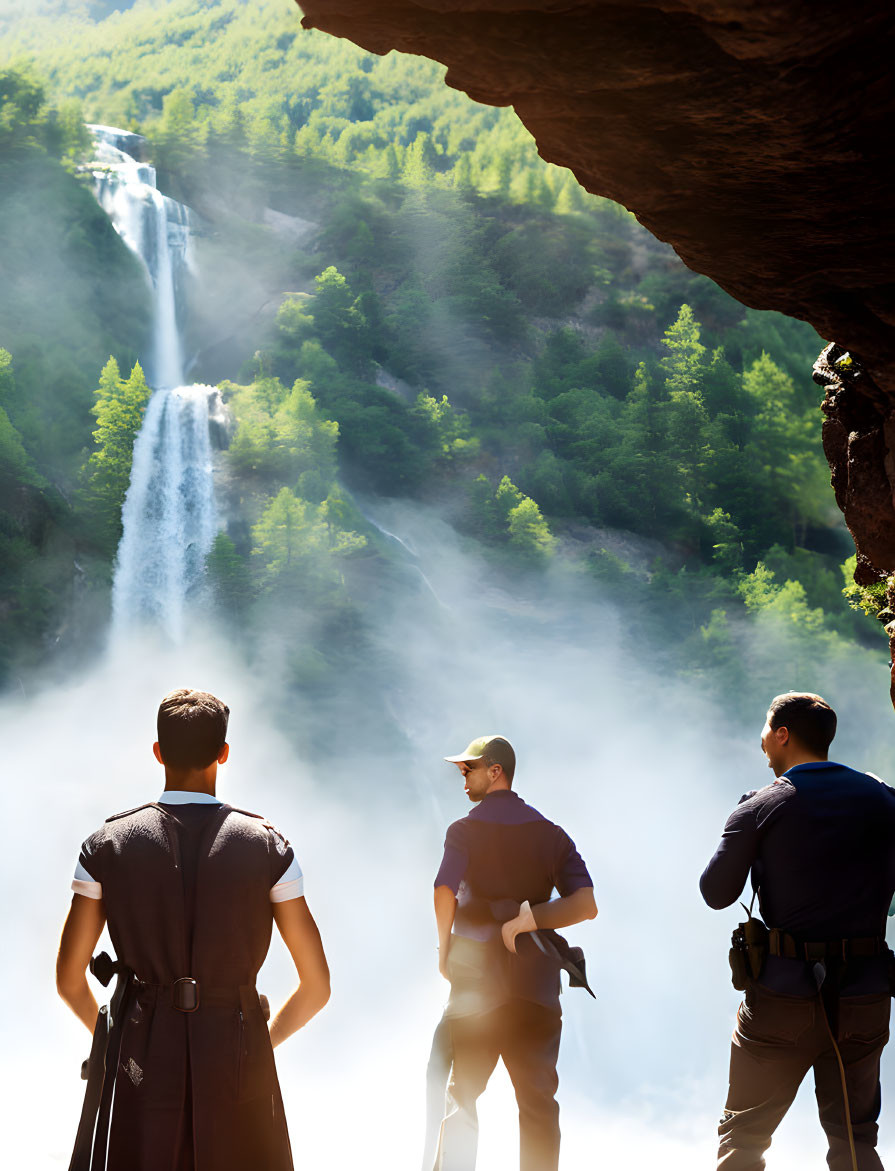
[739, 966]
[748, 951]
[756, 936]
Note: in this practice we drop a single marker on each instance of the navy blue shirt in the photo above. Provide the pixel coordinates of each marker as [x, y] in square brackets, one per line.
[820, 846]
[497, 857]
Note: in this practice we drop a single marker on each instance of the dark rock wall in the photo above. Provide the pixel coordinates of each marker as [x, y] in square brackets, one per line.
[753, 136]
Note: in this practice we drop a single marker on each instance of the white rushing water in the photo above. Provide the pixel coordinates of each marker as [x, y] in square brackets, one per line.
[157, 229]
[169, 516]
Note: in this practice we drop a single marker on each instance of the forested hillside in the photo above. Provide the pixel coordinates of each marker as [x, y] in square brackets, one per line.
[247, 74]
[70, 295]
[398, 298]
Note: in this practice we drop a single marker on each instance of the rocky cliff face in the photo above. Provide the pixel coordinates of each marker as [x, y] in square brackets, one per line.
[751, 135]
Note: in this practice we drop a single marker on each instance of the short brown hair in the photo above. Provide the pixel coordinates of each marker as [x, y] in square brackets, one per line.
[807, 716]
[192, 728]
[501, 752]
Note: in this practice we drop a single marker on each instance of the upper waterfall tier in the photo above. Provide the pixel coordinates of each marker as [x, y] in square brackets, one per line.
[154, 227]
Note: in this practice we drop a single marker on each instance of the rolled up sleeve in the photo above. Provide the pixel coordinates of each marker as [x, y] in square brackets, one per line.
[571, 873]
[290, 886]
[86, 879]
[454, 861]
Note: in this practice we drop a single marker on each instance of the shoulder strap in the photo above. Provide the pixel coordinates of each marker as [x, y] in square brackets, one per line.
[266, 822]
[748, 909]
[128, 812]
[247, 812]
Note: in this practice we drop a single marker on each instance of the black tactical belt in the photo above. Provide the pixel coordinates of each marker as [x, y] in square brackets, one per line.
[184, 993]
[187, 994]
[781, 943]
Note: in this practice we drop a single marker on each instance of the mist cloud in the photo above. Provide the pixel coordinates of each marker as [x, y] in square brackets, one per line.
[642, 770]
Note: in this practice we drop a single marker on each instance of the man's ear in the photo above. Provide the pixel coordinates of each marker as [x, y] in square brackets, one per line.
[225, 752]
[157, 752]
[781, 735]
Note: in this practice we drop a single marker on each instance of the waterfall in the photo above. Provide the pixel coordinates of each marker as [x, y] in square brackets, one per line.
[169, 520]
[157, 229]
[168, 516]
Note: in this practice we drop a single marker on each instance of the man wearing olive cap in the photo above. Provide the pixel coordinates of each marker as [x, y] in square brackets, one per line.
[501, 864]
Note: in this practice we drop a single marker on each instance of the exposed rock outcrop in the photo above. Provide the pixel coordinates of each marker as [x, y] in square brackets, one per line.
[859, 443]
[752, 135]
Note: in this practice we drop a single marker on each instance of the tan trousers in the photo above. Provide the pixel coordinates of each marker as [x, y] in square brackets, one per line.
[776, 1041]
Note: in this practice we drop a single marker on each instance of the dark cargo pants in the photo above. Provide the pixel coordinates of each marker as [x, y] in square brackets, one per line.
[526, 1036]
[776, 1041]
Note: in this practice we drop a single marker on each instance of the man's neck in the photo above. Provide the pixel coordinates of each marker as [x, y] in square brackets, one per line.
[199, 780]
[802, 758]
[500, 787]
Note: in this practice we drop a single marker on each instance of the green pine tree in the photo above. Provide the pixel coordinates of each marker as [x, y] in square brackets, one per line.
[118, 410]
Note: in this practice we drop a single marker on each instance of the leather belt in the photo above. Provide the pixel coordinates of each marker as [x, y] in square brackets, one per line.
[781, 943]
[187, 994]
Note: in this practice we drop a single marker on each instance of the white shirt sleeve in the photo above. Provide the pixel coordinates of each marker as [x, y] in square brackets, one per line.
[290, 886]
[84, 884]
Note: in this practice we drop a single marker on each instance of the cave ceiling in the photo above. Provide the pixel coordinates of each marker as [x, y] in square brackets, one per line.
[755, 137]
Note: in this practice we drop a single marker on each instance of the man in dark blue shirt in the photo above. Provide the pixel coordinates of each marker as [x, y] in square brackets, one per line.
[819, 843]
[501, 864]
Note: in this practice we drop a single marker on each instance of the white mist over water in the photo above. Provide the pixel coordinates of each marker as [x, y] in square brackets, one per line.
[642, 774]
[169, 518]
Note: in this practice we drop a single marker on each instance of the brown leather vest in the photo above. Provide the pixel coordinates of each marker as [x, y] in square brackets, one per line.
[212, 1068]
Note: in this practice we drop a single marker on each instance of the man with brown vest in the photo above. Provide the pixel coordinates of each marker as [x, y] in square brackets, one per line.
[190, 888]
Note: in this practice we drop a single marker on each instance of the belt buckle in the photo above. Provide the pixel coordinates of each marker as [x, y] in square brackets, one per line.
[186, 994]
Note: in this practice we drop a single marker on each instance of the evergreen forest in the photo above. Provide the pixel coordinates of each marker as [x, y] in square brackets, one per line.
[398, 299]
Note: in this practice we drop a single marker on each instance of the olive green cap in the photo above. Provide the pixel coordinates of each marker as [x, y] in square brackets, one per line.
[496, 748]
